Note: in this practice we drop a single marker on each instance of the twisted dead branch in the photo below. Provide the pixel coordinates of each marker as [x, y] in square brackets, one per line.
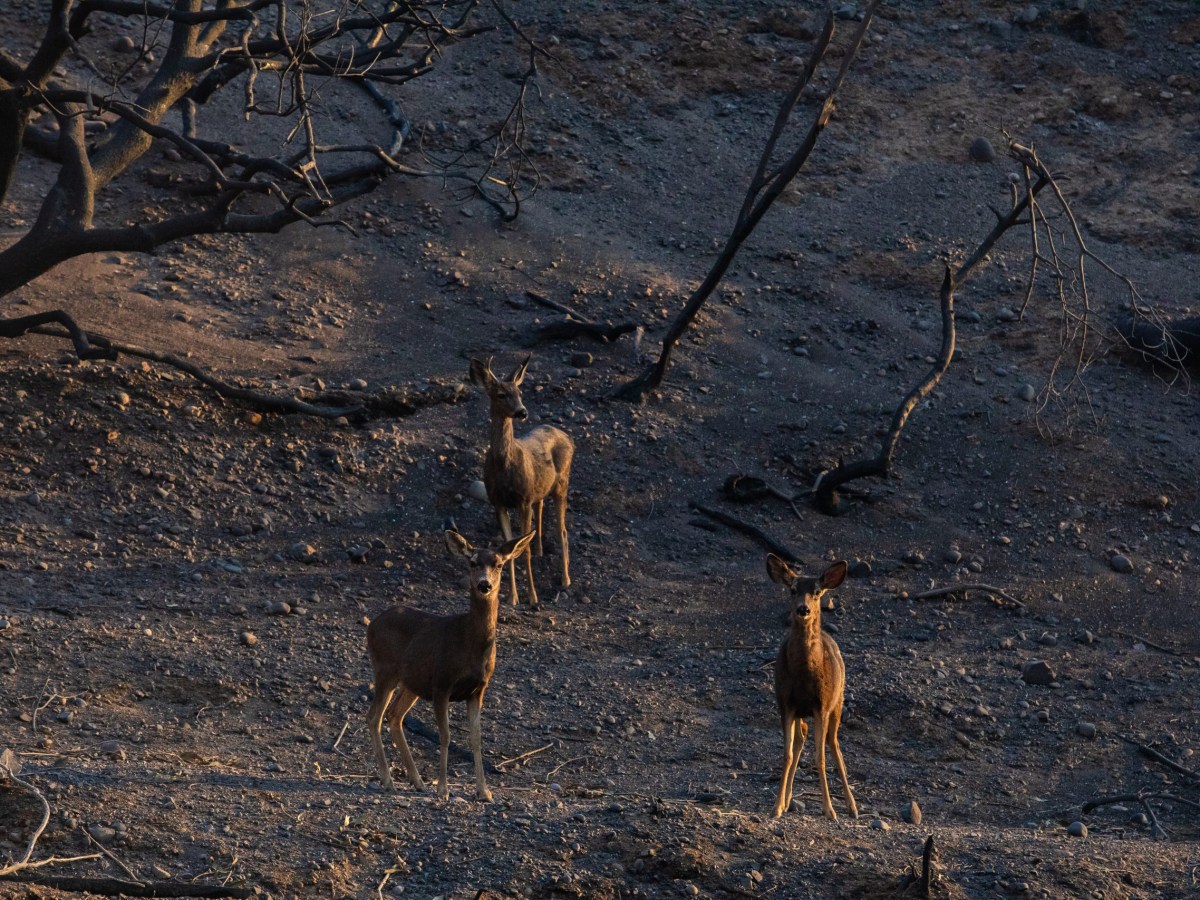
[765, 187]
[10, 768]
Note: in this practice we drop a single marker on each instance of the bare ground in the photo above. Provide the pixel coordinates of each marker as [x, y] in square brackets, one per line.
[145, 525]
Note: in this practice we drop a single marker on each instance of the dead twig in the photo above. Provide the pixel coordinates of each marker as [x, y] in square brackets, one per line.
[523, 756]
[1159, 647]
[10, 768]
[111, 856]
[341, 734]
[562, 765]
[117, 887]
[1142, 797]
[1150, 752]
[746, 528]
[1008, 599]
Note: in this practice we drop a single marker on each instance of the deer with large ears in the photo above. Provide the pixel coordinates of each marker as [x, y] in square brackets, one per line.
[810, 681]
[445, 659]
[520, 473]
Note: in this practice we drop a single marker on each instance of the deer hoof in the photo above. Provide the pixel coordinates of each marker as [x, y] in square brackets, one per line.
[484, 796]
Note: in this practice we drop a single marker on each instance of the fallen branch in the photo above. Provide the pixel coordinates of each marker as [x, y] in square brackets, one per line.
[1143, 797]
[1159, 647]
[765, 187]
[391, 403]
[562, 765]
[1150, 752]
[746, 528]
[824, 491]
[576, 324]
[1009, 600]
[749, 488]
[117, 887]
[10, 768]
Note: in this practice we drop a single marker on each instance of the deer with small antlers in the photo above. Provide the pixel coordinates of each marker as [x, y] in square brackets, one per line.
[444, 659]
[520, 473]
[810, 681]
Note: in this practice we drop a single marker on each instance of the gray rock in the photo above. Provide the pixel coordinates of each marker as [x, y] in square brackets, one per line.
[248, 638]
[1121, 563]
[302, 552]
[279, 608]
[1086, 729]
[880, 825]
[581, 360]
[911, 813]
[1026, 392]
[357, 384]
[952, 556]
[1037, 671]
[847, 11]
[477, 490]
[981, 150]
[1006, 315]
[357, 553]
[1028, 15]
[1048, 640]
[102, 834]
[124, 44]
[1077, 829]
[860, 568]
[113, 750]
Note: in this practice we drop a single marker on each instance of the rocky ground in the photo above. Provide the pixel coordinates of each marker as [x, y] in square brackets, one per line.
[185, 583]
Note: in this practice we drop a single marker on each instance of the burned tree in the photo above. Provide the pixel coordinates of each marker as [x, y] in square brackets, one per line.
[177, 76]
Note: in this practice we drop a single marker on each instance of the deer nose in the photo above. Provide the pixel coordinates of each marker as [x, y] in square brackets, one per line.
[521, 413]
[484, 586]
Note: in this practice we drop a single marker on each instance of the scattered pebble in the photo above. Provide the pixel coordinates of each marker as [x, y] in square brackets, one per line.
[981, 150]
[1077, 829]
[1086, 729]
[302, 552]
[102, 834]
[1026, 392]
[911, 813]
[880, 825]
[477, 490]
[280, 608]
[952, 556]
[248, 638]
[1121, 563]
[581, 360]
[1037, 671]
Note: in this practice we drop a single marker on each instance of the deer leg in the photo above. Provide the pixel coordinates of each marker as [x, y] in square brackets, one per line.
[821, 726]
[560, 502]
[789, 739]
[836, 721]
[441, 709]
[506, 530]
[374, 723]
[541, 503]
[399, 710]
[526, 525]
[474, 707]
[801, 730]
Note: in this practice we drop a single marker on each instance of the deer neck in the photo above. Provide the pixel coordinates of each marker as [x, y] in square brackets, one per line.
[805, 647]
[485, 609]
[500, 432]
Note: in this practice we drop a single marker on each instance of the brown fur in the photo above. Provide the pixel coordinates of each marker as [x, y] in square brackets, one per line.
[444, 659]
[810, 682]
[520, 473]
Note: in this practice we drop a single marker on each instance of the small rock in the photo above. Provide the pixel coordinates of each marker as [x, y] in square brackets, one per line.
[981, 150]
[860, 568]
[880, 825]
[911, 813]
[952, 556]
[1026, 392]
[279, 608]
[302, 552]
[124, 44]
[1048, 640]
[357, 553]
[1085, 637]
[1077, 829]
[1086, 729]
[477, 490]
[581, 360]
[1028, 15]
[1120, 563]
[113, 749]
[357, 384]
[102, 834]
[1037, 671]
[248, 638]
[1006, 315]
[3, 624]
[847, 11]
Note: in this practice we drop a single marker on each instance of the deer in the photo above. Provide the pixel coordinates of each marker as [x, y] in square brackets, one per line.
[520, 473]
[440, 658]
[810, 681]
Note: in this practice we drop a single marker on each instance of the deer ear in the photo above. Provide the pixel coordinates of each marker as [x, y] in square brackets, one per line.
[514, 547]
[834, 575]
[518, 374]
[458, 545]
[481, 372]
[780, 572]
